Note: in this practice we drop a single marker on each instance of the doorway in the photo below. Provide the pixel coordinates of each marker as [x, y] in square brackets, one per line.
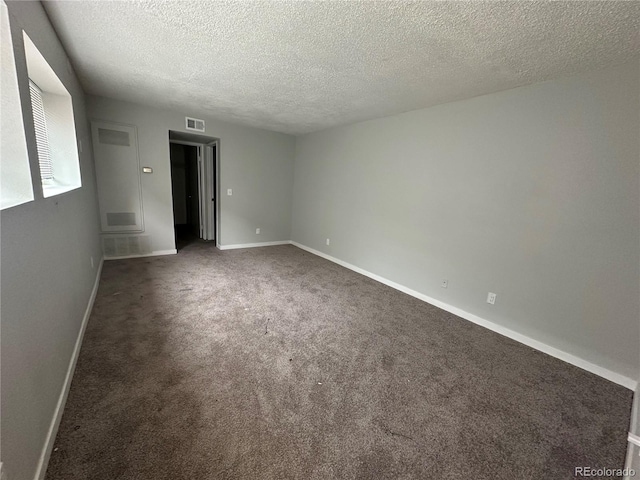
[184, 185]
[194, 185]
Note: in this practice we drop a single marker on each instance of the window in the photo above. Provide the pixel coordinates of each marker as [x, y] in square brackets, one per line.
[55, 129]
[15, 174]
[42, 138]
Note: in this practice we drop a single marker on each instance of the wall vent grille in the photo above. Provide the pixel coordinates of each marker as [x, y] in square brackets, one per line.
[114, 137]
[194, 124]
[125, 245]
[121, 219]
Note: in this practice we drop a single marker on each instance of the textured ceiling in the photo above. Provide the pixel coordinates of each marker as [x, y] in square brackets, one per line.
[298, 67]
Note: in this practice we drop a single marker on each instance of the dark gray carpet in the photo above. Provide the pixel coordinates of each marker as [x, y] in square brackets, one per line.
[272, 363]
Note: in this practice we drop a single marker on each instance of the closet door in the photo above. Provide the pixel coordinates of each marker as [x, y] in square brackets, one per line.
[115, 149]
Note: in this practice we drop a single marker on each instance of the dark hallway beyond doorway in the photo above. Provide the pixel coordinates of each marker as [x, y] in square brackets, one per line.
[184, 185]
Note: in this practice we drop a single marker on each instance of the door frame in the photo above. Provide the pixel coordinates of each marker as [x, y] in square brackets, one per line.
[205, 187]
[212, 174]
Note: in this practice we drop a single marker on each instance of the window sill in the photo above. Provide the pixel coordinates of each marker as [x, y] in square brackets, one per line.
[53, 190]
[13, 202]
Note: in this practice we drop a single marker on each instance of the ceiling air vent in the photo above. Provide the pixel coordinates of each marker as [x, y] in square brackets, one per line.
[194, 124]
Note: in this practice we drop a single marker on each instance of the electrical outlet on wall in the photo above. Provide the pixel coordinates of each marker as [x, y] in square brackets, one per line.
[328, 241]
[257, 231]
[444, 283]
[491, 298]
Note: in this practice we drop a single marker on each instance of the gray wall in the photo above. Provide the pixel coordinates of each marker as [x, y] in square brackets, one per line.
[530, 193]
[256, 164]
[47, 276]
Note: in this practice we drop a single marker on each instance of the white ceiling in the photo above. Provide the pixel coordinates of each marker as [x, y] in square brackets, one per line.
[298, 67]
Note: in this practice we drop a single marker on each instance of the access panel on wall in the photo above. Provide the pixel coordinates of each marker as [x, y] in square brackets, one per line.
[115, 148]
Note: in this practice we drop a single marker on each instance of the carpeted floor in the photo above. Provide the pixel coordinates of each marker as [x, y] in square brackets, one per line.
[272, 363]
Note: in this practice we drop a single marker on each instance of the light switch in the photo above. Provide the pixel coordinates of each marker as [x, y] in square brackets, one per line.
[229, 192]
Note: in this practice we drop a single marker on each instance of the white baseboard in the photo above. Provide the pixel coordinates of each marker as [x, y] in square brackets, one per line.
[57, 416]
[152, 254]
[253, 245]
[518, 337]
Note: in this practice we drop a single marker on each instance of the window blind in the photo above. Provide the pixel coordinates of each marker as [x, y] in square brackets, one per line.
[42, 137]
